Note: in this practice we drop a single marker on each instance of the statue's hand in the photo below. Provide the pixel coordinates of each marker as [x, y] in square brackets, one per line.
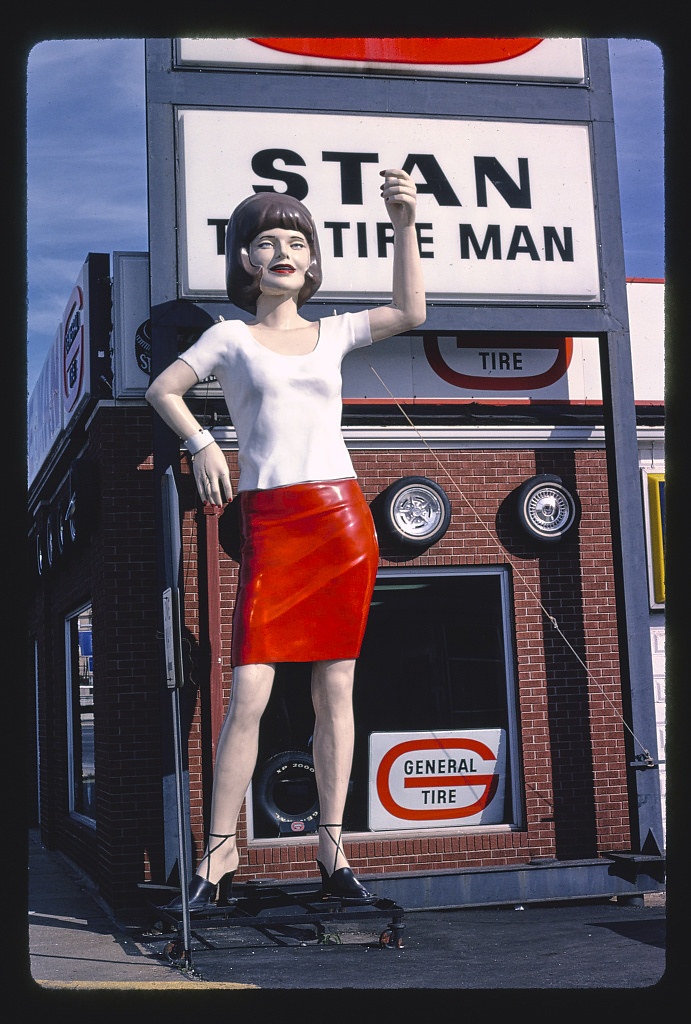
[212, 476]
[400, 197]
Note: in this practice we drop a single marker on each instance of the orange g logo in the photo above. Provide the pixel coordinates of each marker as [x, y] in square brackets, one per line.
[447, 769]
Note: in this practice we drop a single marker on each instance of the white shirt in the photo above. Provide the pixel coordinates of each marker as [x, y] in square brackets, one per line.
[286, 409]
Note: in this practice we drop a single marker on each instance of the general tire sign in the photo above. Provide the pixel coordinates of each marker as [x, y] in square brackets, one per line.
[436, 779]
[505, 208]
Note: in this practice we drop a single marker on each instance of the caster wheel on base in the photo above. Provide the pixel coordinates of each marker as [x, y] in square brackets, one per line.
[389, 939]
[176, 954]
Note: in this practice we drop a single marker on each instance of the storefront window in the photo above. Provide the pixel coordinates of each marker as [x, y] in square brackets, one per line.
[80, 714]
[437, 659]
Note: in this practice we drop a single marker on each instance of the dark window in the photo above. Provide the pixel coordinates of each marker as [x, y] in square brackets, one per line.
[437, 655]
[80, 713]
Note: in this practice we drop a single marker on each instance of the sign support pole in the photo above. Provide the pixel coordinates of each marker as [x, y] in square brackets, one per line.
[174, 680]
[628, 540]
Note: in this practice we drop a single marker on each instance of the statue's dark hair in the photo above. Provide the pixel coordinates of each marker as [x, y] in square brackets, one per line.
[258, 213]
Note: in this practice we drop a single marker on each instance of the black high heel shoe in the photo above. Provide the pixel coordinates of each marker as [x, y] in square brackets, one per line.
[202, 894]
[342, 884]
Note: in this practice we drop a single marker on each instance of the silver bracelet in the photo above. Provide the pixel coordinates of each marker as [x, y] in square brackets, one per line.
[202, 439]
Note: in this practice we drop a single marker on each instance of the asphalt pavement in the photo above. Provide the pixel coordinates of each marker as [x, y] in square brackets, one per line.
[599, 947]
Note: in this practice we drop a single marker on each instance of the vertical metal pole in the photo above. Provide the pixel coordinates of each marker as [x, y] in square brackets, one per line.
[631, 582]
[182, 831]
[174, 679]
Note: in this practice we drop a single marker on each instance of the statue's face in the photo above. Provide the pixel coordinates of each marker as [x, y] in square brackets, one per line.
[283, 256]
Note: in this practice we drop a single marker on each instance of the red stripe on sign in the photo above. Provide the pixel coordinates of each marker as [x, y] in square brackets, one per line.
[405, 51]
[446, 781]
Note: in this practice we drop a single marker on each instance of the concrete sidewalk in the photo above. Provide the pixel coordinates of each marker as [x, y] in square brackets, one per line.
[76, 943]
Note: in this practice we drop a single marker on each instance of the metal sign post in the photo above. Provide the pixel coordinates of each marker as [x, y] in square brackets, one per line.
[174, 680]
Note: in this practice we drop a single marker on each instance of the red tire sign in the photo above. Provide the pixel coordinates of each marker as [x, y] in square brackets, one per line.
[437, 779]
[556, 59]
[73, 350]
[499, 362]
[405, 50]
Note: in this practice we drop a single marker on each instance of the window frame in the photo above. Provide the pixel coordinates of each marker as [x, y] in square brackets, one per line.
[71, 626]
[514, 797]
[514, 791]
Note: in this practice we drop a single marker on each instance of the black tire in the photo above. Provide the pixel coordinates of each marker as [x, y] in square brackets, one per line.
[71, 519]
[61, 530]
[40, 555]
[51, 545]
[411, 514]
[285, 790]
[547, 511]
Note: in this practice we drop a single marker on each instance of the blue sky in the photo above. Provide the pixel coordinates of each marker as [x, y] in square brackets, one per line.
[86, 165]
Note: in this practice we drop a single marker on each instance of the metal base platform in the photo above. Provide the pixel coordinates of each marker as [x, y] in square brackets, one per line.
[268, 908]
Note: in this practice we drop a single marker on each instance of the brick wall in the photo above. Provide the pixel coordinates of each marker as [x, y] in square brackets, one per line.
[114, 567]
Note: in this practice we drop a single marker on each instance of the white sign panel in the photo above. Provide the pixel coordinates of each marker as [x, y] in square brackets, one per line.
[521, 369]
[518, 369]
[505, 209]
[646, 304]
[131, 324]
[558, 60]
[436, 779]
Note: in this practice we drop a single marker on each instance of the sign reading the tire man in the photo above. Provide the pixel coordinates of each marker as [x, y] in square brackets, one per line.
[436, 779]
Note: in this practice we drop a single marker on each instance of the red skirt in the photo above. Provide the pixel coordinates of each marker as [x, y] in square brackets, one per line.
[307, 569]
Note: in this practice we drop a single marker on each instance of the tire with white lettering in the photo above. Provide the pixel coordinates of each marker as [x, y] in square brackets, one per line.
[411, 515]
[547, 511]
[286, 791]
